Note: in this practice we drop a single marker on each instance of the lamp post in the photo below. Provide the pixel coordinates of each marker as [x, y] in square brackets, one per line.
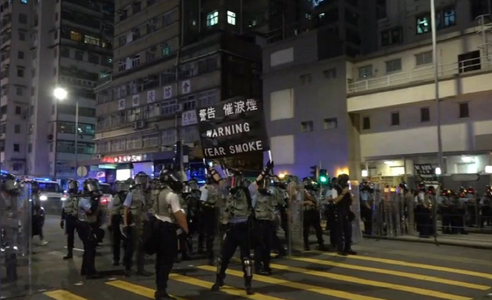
[61, 94]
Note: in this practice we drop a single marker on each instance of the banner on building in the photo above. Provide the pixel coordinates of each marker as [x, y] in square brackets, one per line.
[232, 127]
[426, 173]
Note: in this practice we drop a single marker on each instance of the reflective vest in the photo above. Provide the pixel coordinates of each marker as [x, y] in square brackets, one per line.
[265, 205]
[161, 207]
[118, 200]
[71, 206]
[137, 206]
[237, 206]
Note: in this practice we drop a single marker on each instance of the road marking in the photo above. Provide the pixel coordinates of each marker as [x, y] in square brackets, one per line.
[464, 260]
[76, 249]
[134, 288]
[413, 265]
[149, 293]
[394, 273]
[63, 295]
[380, 284]
[300, 286]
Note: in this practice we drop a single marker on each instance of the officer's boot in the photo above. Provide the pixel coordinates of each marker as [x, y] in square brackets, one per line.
[69, 254]
[248, 275]
[219, 279]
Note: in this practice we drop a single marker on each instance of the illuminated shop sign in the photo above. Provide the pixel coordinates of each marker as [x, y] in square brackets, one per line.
[122, 159]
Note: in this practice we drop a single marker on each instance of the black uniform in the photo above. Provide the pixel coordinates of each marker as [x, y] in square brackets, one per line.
[343, 225]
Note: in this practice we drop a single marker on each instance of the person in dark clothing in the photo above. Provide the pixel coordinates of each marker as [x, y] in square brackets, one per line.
[344, 216]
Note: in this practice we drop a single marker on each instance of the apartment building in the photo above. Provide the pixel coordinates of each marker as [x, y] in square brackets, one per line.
[170, 59]
[15, 84]
[376, 112]
[63, 43]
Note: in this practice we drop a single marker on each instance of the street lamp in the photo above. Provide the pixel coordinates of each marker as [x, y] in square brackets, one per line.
[60, 95]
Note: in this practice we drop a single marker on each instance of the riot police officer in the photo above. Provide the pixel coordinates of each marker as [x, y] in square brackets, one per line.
[87, 211]
[10, 191]
[69, 215]
[37, 213]
[264, 200]
[344, 215]
[166, 213]
[281, 215]
[311, 217]
[239, 208]
[366, 206]
[135, 220]
[210, 198]
[192, 195]
[116, 212]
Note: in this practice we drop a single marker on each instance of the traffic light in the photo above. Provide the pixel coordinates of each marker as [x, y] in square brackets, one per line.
[323, 176]
[315, 173]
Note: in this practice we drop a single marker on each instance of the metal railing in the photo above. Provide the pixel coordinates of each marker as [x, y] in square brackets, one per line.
[423, 73]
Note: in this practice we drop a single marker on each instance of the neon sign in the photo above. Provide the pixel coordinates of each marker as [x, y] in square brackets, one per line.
[122, 159]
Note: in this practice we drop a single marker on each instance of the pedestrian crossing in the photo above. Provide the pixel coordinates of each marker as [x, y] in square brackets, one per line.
[324, 276]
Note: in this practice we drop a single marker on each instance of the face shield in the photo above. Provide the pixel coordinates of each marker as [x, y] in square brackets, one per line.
[142, 179]
[121, 186]
[73, 186]
[91, 186]
[11, 186]
[193, 185]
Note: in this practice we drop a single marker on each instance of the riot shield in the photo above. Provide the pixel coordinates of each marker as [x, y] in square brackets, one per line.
[379, 225]
[356, 223]
[295, 244]
[16, 227]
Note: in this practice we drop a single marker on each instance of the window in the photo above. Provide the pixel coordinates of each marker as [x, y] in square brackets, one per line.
[213, 18]
[93, 58]
[464, 112]
[307, 126]
[449, 17]
[331, 123]
[20, 72]
[365, 71]
[18, 110]
[425, 114]
[330, 73]
[22, 36]
[393, 65]
[423, 24]
[366, 123]
[395, 118]
[19, 91]
[423, 58]
[79, 55]
[166, 50]
[65, 52]
[231, 18]
[23, 18]
[92, 40]
[75, 36]
[16, 148]
[392, 36]
[167, 19]
[20, 55]
[17, 128]
[305, 79]
[469, 61]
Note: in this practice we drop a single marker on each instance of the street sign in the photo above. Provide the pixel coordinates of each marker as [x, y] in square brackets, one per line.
[135, 100]
[188, 118]
[151, 96]
[168, 92]
[82, 171]
[121, 104]
[185, 87]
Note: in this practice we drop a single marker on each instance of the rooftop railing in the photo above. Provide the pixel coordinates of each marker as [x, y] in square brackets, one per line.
[420, 74]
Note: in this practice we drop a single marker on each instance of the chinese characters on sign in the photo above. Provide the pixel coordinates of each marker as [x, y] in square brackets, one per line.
[231, 108]
[121, 104]
[122, 159]
[168, 92]
[232, 127]
[188, 118]
[135, 100]
[151, 96]
[426, 173]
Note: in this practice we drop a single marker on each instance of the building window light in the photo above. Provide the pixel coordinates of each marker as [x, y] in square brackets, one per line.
[213, 18]
[231, 17]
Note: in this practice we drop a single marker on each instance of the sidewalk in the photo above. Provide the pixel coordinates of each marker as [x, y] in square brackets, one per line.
[472, 240]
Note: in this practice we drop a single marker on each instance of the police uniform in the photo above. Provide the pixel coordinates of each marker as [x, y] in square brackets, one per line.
[344, 216]
[116, 211]
[311, 218]
[164, 208]
[69, 221]
[264, 202]
[135, 202]
[86, 234]
[210, 197]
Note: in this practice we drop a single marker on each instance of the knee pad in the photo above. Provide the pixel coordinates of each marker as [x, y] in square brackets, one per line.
[248, 266]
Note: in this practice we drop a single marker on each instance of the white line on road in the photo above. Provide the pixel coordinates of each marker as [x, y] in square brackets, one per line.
[76, 249]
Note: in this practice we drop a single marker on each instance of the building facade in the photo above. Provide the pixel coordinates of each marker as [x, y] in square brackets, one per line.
[383, 104]
[68, 44]
[165, 68]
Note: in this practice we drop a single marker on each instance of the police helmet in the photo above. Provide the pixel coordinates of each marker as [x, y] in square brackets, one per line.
[193, 185]
[91, 185]
[121, 186]
[9, 184]
[421, 187]
[73, 186]
[172, 180]
[34, 187]
[141, 179]
[431, 190]
[343, 180]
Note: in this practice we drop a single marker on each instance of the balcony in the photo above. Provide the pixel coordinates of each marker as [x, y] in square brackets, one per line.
[420, 75]
[455, 79]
